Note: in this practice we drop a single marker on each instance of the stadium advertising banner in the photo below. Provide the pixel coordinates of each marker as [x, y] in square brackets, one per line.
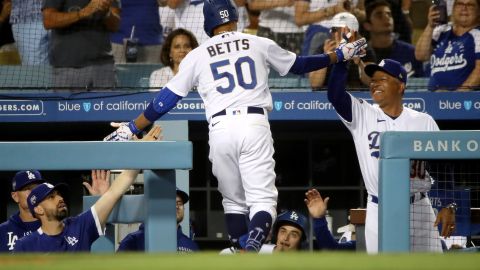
[122, 106]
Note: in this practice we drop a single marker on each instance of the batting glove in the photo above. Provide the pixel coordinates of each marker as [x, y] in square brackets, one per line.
[124, 132]
[347, 51]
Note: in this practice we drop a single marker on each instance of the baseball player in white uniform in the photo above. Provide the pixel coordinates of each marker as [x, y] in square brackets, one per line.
[366, 122]
[231, 73]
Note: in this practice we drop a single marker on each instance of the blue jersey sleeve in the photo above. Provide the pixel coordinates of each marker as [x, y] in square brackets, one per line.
[87, 226]
[130, 243]
[325, 239]
[337, 93]
[161, 104]
[305, 64]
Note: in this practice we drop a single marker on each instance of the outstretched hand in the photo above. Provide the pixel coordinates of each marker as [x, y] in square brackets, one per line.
[123, 132]
[153, 134]
[100, 182]
[317, 206]
[347, 51]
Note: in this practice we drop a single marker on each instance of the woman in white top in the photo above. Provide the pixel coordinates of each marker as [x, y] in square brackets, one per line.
[177, 45]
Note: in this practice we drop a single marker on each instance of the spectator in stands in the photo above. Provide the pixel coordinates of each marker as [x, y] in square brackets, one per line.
[31, 38]
[453, 49]
[189, 15]
[253, 16]
[136, 241]
[243, 16]
[317, 14]
[8, 50]
[356, 78]
[177, 45]
[23, 222]
[380, 27]
[167, 18]
[58, 233]
[80, 49]
[403, 26]
[139, 22]
[277, 22]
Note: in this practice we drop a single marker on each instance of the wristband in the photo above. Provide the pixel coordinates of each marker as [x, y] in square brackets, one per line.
[133, 128]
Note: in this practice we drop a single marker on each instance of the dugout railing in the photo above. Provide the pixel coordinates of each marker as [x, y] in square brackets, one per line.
[161, 158]
[397, 149]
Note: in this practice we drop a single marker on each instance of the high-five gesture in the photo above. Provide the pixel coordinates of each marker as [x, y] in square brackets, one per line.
[347, 51]
[317, 206]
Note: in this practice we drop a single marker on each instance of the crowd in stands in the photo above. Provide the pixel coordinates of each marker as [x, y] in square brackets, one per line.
[81, 40]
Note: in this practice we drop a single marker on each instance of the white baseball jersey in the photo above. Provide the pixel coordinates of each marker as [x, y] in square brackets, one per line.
[231, 70]
[368, 122]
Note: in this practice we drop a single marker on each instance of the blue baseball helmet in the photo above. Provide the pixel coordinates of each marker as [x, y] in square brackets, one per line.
[290, 218]
[216, 13]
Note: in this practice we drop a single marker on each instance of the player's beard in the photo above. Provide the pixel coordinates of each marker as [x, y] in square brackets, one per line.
[58, 214]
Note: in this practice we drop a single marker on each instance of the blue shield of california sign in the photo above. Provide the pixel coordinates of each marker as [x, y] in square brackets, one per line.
[87, 106]
[278, 105]
[467, 104]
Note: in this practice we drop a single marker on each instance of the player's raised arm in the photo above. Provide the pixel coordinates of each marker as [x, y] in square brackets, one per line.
[105, 204]
[344, 52]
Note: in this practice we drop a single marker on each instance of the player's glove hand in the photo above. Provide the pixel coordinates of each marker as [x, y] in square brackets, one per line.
[347, 51]
[124, 132]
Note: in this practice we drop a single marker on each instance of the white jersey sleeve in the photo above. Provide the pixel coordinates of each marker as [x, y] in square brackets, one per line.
[280, 59]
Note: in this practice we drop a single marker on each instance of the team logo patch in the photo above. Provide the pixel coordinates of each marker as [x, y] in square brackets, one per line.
[294, 216]
[30, 175]
[467, 104]
[33, 200]
[71, 240]
[87, 106]
[278, 105]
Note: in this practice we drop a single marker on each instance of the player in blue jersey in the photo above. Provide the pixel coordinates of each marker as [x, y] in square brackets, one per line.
[230, 70]
[135, 241]
[453, 49]
[317, 207]
[21, 223]
[61, 234]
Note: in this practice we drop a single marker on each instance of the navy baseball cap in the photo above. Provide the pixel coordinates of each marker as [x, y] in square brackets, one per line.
[392, 67]
[183, 195]
[25, 178]
[40, 192]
